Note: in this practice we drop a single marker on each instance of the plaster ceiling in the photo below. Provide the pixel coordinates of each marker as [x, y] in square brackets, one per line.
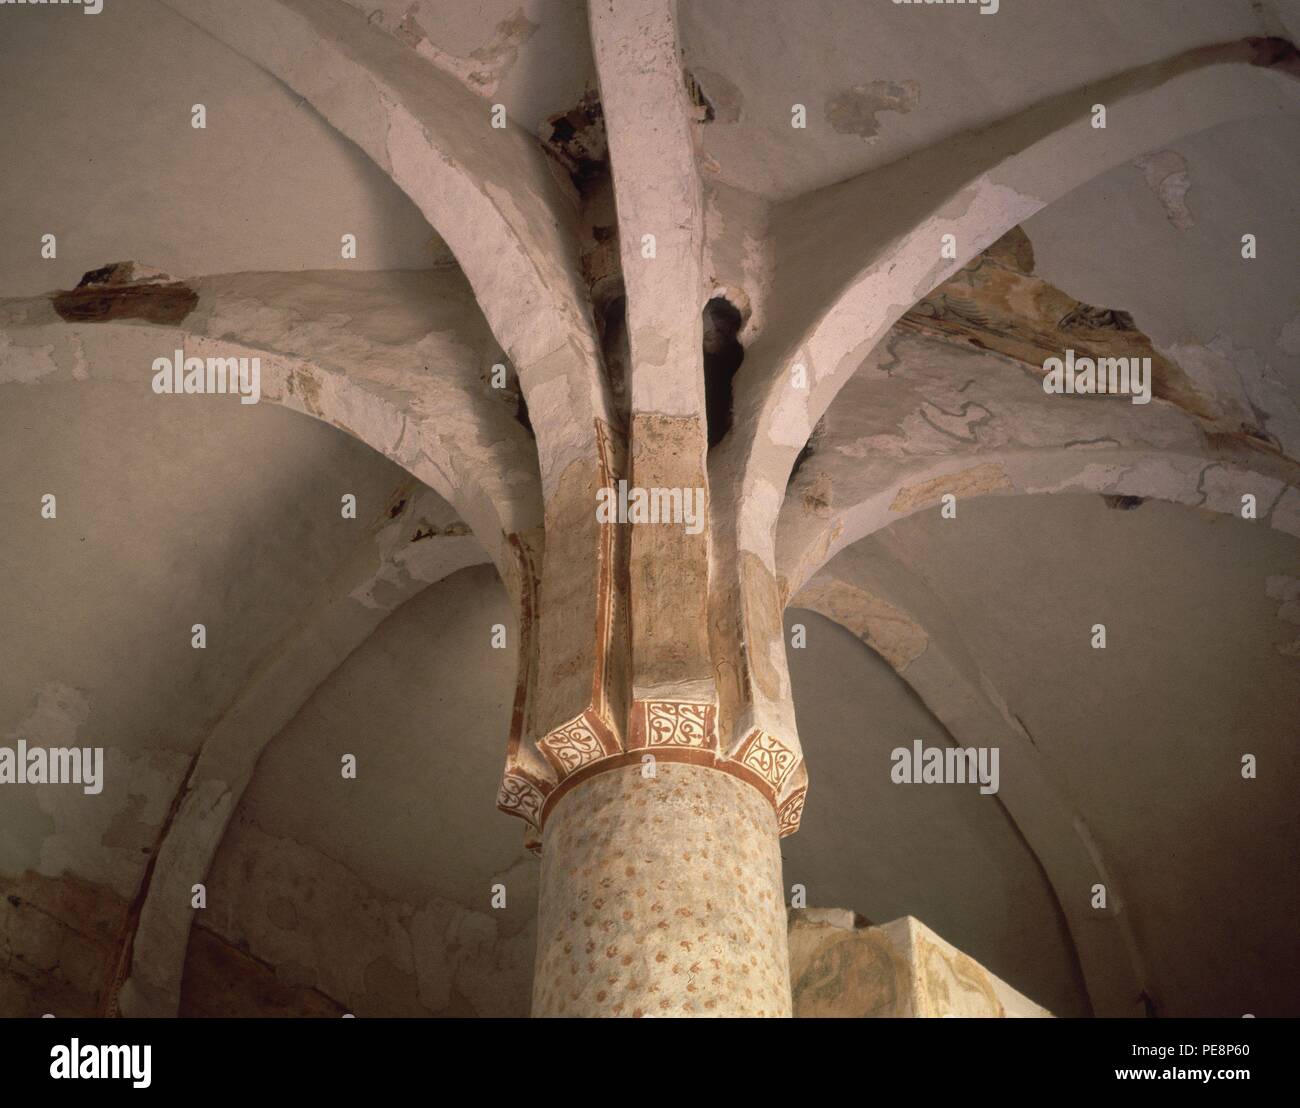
[1146, 736]
[173, 514]
[881, 81]
[1232, 324]
[168, 516]
[111, 165]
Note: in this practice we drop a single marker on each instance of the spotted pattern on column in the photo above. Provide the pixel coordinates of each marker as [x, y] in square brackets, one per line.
[661, 896]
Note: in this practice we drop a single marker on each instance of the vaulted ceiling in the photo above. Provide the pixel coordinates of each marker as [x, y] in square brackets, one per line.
[371, 636]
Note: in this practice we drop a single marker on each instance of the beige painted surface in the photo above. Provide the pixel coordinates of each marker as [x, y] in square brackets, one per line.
[483, 246]
[661, 896]
[842, 969]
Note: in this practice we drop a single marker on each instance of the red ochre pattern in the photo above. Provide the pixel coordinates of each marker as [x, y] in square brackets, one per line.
[673, 731]
[661, 896]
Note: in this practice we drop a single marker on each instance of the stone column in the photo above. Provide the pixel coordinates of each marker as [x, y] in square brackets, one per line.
[661, 896]
[658, 823]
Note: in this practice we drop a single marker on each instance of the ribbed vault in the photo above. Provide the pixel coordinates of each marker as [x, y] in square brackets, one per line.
[884, 310]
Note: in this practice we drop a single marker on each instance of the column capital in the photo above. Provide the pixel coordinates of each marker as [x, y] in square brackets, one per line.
[670, 731]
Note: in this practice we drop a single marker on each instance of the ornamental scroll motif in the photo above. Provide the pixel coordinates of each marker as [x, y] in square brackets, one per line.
[789, 814]
[573, 746]
[671, 723]
[768, 758]
[520, 797]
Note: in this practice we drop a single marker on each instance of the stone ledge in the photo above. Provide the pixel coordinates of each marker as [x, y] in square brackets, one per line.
[843, 967]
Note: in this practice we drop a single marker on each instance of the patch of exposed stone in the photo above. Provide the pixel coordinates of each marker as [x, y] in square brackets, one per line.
[432, 531]
[1123, 503]
[818, 495]
[1086, 318]
[576, 139]
[223, 980]
[126, 290]
[1274, 52]
[600, 261]
[975, 481]
[58, 936]
[716, 99]
[702, 108]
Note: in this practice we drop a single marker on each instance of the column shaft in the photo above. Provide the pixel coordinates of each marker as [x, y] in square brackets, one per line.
[661, 896]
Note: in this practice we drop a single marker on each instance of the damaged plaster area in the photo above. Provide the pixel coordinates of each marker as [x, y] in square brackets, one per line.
[310, 631]
[483, 68]
[51, 830]
[576, 138]
[1249, 390]
[997, 303]
[951, 404]
[304, 916]
[125, 290]
[69, 868]
[333, 914]
[856, 110]
[975, 481]
[58, 936]
[717, 98]
[1169, 179]
[394, 359]
[421, 542]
